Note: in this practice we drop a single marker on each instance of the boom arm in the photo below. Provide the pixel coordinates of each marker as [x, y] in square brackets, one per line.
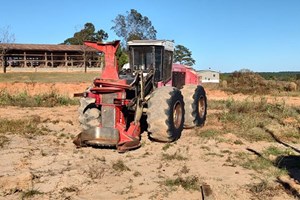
[111, 65]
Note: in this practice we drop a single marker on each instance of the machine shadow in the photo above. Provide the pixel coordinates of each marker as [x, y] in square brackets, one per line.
[291, 163]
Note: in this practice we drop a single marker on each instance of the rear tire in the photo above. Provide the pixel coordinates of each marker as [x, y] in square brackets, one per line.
[195, 105]
[165, 114]
[89, 114]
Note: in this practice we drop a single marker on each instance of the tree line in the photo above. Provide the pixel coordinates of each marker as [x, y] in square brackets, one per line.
[130, 26]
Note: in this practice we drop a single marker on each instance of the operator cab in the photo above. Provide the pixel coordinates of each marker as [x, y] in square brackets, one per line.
[152, 55]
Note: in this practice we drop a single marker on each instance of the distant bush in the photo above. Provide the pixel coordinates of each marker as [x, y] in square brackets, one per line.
[291, 86]
[224, 84]
[248, 82]
[280, 76]
[42, 100]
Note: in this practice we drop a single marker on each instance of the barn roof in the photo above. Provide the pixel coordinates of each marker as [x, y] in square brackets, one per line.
[46, 47]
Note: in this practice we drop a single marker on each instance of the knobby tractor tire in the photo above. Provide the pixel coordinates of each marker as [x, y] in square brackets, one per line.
[195, 105]
[89, 114]
[165, 114]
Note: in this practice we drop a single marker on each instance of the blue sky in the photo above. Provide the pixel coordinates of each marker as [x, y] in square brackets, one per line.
[224, 35]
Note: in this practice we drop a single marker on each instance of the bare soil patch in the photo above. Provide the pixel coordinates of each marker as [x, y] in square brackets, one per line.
[50, 167]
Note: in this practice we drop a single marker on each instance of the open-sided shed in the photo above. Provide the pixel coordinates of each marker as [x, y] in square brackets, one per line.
[48, 55]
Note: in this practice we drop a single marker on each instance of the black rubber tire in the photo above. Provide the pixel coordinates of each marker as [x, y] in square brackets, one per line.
[165, 114]
[195, 101]
[89, 114]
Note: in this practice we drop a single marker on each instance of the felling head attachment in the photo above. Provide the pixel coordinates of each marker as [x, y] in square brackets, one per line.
[97, 137]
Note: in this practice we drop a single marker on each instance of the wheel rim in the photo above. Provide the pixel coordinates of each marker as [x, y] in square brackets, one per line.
[177, 114]
[201, 106]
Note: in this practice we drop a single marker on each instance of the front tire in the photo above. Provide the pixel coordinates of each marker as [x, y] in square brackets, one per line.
[89, 114]
[165, 114]
[195, 105]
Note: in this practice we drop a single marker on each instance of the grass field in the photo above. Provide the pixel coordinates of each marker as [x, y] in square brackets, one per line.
[44, 77]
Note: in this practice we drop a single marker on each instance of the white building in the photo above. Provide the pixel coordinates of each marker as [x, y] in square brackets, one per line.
[209, 76]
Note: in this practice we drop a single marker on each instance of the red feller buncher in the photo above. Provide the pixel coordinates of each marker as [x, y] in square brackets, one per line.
[167, 95]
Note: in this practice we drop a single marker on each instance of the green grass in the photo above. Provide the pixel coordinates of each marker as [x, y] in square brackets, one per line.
[42, 100]
[238, 142]
[216, 104]
[214, 154]
[188, 183]
[246, 160]
[258, 187]
[254, 120]
[258, 164]
[167, 146]
[48, 77]
[174, 156]
[262, 163]
[3, 141]
[136, 174]
[275, 151]
[210, 133]
[120, 166]
[264, 189]
[95, 172]
[69, 189]
[30, 193]
[184, 170]
[29, 125]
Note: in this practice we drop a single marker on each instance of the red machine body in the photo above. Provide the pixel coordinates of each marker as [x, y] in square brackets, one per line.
[120, 100]
[185, 74]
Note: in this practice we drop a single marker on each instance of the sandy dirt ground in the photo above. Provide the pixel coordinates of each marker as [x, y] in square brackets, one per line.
[52, 166]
